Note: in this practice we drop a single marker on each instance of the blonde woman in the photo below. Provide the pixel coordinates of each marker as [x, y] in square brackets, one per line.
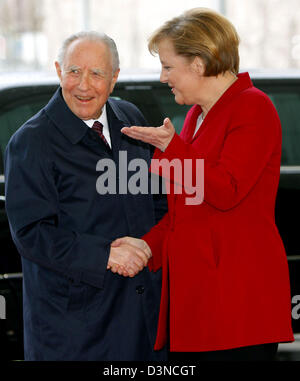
[225, 291]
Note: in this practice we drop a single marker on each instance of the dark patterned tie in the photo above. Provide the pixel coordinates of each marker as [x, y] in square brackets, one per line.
[98, 127]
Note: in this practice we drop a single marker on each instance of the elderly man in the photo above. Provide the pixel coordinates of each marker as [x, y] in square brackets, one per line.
[75, 307]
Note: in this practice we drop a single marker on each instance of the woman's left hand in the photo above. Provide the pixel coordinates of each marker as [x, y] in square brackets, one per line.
[159, 137]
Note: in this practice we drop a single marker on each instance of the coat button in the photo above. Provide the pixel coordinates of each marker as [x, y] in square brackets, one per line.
[140, 289]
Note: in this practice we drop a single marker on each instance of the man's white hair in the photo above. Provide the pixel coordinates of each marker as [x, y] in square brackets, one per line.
[91, 36]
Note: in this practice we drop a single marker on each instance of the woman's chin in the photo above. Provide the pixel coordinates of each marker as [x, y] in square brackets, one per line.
[182, 102]
[179, 100]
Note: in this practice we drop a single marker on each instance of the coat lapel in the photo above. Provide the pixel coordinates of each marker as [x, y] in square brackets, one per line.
[73, 128]
[115, 123]
[190, 124]
[243, 83]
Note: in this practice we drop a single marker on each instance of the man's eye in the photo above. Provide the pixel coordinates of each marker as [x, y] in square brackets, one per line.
[97, 74]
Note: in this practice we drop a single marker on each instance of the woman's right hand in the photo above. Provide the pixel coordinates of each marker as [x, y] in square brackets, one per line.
[159, 137]
[128, 256]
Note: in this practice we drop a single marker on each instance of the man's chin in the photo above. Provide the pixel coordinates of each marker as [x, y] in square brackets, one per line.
[86, 115]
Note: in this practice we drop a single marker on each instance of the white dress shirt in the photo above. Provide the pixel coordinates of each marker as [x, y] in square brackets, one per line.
[102, 119]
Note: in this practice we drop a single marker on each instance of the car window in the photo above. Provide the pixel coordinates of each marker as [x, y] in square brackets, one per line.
[155, 102]
[12, 119]
[285, 95]
[169, 108]
[24, 104]
[16, 107]
[288, 108]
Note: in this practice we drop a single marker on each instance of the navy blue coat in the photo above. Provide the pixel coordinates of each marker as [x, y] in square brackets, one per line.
[73, 307]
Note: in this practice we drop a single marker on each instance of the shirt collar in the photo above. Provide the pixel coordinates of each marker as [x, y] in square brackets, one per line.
[102, 118]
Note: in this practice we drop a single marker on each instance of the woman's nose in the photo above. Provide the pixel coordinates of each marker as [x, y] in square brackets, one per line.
[163, 77]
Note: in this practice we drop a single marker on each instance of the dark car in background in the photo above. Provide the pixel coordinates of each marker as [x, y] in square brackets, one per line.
[20, 98]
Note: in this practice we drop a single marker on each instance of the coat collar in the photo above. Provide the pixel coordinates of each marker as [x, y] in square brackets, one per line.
[68, 123]
[72, 127]
[242, 83]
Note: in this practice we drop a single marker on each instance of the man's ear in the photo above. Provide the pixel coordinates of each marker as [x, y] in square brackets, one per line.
[198, 65]
[58, 70]
[114, 80]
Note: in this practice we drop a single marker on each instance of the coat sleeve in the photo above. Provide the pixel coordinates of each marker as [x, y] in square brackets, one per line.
[253, 136]
[155, 239]
[32, 205]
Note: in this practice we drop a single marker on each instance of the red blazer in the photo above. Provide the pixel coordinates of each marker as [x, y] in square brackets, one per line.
[225, 272]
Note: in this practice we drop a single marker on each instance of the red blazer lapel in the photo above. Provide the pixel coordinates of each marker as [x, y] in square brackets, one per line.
[190, 124]
[244, 82]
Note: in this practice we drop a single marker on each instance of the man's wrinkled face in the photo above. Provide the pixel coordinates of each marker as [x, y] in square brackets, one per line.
[86, 77]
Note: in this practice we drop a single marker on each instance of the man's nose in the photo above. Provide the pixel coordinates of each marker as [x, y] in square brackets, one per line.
[84, 82]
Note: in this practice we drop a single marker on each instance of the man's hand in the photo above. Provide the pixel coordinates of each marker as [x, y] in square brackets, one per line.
[159, 137]
[133, 242]
[126, 259]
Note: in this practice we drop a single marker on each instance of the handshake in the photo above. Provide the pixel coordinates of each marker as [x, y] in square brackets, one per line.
[128, 256]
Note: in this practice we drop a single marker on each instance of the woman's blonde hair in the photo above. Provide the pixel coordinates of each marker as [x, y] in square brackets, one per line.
[204, 33]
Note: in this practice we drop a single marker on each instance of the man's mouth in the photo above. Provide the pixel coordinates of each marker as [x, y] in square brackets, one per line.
[83, 99]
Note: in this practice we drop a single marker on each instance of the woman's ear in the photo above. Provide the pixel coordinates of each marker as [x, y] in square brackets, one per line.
[198, 65]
